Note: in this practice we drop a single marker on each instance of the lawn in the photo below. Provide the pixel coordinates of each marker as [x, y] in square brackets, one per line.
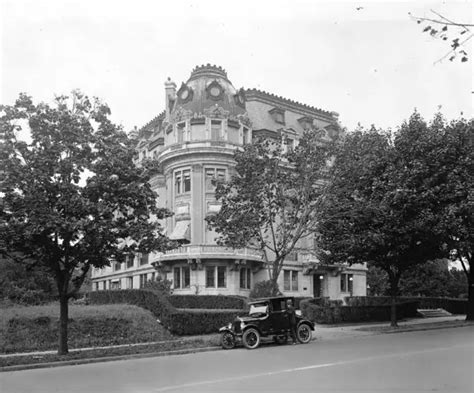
[24, 329]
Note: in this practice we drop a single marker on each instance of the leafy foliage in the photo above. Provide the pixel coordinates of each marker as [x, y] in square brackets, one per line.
[430, 279]
[442, 28]
[25, 284]
[266, 288]
[272, 202]
[73, 196]
[160, 284]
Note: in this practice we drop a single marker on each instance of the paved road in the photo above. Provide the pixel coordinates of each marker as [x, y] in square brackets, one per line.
[437, 360]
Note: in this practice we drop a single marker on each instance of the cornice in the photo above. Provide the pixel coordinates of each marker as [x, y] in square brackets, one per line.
[283, 102]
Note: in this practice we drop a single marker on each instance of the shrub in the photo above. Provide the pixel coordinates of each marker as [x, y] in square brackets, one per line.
[354, 313]
[265, 288]
[454, 306]
[159, 284]
[208, 301]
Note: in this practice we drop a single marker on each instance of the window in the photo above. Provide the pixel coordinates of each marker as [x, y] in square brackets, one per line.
[245, 136]
[181, 277]
[216, 130]
[212, 175]
[182, 181]
[221, 277]
[186, 181]
[129, 261]
[346, 282]
[129, 282]
[177, 277]
[181, 130]
[233, 134]
[245, 277]
[117, 266]
[144, 259]
[115, 285]
[290, 280]
[210, 276]
[96, 286]
[290, 143]
[143, 280]
[153, 276]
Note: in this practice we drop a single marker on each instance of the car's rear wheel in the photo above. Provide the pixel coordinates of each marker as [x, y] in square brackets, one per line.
[227, 340]
[281, 339]
[304, 333]
[251, 338]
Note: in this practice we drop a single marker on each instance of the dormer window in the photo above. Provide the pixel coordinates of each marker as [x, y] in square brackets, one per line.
[240, 98]
[278, 115]
[306, 122]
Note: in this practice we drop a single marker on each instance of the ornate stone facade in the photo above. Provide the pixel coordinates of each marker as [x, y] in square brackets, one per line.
[194, 140]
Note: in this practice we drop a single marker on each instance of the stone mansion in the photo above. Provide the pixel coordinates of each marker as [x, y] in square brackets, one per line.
[194, 140]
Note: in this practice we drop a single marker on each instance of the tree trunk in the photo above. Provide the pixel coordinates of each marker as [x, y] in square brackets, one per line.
[470, 299]
[393, 299]
[393, 311]
[63, 321]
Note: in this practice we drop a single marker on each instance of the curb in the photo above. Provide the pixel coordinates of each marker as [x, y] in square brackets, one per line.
[423, 328]
[75, 362]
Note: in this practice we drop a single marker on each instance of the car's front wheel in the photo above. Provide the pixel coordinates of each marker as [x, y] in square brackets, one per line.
[227, 340]
[304, 333]
[251, 338]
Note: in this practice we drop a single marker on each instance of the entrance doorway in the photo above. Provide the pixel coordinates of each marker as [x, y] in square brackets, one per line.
[318, 285]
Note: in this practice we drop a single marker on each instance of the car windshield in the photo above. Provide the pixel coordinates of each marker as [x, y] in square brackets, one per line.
[258, 310]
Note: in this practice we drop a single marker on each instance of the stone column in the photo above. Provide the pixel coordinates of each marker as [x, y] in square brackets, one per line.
[197, 210]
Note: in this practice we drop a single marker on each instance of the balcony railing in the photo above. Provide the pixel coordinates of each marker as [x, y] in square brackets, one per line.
[198, 144]
[209, 251]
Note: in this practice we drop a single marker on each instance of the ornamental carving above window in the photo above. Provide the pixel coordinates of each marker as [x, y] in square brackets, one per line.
[185, 94]
[278, 115]
[214, 91]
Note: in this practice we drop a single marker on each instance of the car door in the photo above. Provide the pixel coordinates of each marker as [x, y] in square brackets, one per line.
[279, 317]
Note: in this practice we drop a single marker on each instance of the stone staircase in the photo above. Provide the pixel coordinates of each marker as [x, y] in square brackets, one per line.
[433, 312]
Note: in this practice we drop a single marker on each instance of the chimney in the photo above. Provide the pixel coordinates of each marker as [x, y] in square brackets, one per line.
[170, 96]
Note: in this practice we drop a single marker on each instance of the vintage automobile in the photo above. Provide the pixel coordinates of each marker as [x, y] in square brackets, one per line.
[267, 318]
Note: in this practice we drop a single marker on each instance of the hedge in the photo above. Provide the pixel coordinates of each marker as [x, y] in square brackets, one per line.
[178, 322]
[454, 306]
[201, 322]
[363, 313]
[213, 302]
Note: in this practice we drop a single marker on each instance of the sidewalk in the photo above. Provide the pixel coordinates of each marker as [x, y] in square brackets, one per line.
[331, 332]
[211, 342]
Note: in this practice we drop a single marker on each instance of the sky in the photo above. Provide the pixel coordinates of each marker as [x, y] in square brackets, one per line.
[366, 60]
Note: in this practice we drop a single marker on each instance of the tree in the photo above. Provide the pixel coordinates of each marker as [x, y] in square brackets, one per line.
[455, 196]
[272, 202]
[72, 197]
[380, 207]
[440, 27]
